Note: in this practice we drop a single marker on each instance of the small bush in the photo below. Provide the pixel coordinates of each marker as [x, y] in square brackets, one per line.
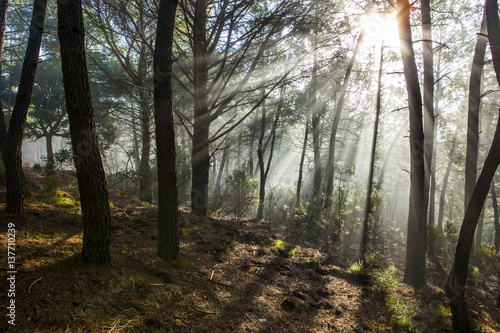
[279, 244]
[356, 268]
[37, 167]
[386, 280]
[50, 185]
[402, 312]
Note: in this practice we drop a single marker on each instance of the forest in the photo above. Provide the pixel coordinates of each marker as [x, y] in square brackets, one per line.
[249, 166]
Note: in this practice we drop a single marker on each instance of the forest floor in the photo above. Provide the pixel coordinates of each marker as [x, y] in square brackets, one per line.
[231, 277]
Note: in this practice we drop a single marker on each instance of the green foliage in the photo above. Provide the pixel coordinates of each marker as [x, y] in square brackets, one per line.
[279, 244]
[402, 312]
[243, 192]
[385, 279]
[451, 231]
[63, 158]
[436, 240]
[356, 268]
[49, 185]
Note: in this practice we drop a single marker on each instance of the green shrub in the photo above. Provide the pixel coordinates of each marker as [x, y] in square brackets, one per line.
[49, 185]
[37, 167]
[385, 279]
[356, 268]
[402, 312]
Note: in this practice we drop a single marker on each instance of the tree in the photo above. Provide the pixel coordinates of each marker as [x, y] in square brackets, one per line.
[222, 35]
[429, 120]
[262, 147]
[115, 23]
[13, 160]
[47, 117]
[458, 275]
[473, 112]
[168, 242]
[369, 205]
[417, 232]
[89, 169]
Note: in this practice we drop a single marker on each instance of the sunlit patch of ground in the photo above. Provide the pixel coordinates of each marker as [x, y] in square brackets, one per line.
[231, 277]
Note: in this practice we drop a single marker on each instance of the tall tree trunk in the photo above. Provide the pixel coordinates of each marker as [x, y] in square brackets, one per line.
[50, 150]
[445, 185]
[13, 167]
[315, 110]
[146, 181]
[417, 228]
[89, 169]
[251, 144]
[264, 171]
[200, 160]
[4, 4]
[301, 164]
[260, 156]
[432, 194]
[368, 206]
[458, 275]
[428, 96]
[330, 167]
[168, 241]
[473, 112]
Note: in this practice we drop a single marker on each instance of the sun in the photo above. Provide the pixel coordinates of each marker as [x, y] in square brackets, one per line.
[378, 28]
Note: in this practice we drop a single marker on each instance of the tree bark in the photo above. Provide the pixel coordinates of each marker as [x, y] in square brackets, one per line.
[50, 150]
[301, 164]
[146, 181]
[200, 160]
[473, 112]
[315, 109]
[428, 96]
[417, 228]
[13, 167]
[168, 241]
[445, 185]
[89, 168]
[458, 275]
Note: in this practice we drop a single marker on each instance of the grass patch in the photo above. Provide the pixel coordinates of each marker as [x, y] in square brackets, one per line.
[386, 280]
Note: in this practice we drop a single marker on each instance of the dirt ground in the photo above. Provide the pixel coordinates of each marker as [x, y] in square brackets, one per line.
[230, 277]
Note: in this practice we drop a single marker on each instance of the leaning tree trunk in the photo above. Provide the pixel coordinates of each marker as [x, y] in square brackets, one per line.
[89, 169]
[168, 241]
[417, 228]
[458, 275]
[13, 166]
[330, 166]
[260, 156]
[473, 112]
